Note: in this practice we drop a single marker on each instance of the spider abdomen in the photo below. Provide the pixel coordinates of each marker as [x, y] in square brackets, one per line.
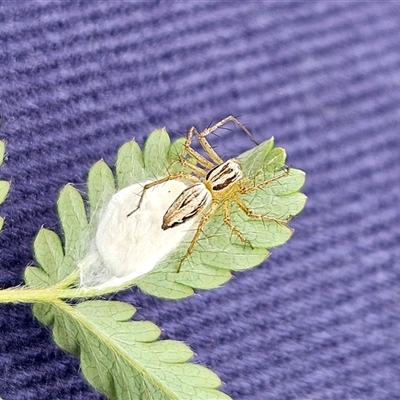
[188, 204]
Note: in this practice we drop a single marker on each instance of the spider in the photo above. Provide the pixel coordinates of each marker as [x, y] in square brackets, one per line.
[216, 183]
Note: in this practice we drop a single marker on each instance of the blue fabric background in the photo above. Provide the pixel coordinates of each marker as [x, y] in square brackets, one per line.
[320, 319]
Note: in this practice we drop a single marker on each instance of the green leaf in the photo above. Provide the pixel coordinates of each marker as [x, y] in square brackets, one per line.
[71, 211]
[221, 248]
[218, 250]
[203, 277]
[101, 186]
[2, 151]
[4, 189]
[176, 151]
[36, 277]
[130, 165]
[120, 357]
[128, 362]
[156, 154]
[49, 253]
[279, 199]
[270, 190]
[251, 160]
[165, 285]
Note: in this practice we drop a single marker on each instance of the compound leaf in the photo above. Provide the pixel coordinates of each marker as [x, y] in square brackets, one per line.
[121, 358]
[271, 195]
[218, 250]
[128, 362]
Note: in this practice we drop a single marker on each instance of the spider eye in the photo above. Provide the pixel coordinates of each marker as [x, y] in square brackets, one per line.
[225, 174]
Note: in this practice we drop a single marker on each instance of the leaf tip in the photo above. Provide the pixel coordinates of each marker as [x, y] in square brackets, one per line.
[2, 151]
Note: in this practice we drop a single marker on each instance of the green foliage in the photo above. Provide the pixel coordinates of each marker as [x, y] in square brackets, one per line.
[4, 189]
[218, 251]
[50, 256]
[72, 214]
[101, 187]
[2, 151]
[120, 357]
[130, 165]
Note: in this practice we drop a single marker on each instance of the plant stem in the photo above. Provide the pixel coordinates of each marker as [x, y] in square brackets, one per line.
[24, 294]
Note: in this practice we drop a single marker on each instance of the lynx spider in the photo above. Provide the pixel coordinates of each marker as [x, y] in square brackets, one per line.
[216, 183]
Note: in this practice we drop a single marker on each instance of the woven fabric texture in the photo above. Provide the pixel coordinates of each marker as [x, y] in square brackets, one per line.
[320, 319]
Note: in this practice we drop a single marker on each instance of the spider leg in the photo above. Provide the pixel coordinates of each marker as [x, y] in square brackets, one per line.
[245, 190]
[197, 156]
[230, 118]
[227, 220]
[178, 175]
[207, 147]
[254, 215]
[199, 229]
[197, 170]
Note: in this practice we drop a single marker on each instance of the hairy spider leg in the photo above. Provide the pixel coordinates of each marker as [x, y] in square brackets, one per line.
[196, 155]
[199, 229]
[245, 190]
[252, 214]
[177, 175]
[197, 170]
[218, 125]
[230, 118]
[206, 145]
[227, 220]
